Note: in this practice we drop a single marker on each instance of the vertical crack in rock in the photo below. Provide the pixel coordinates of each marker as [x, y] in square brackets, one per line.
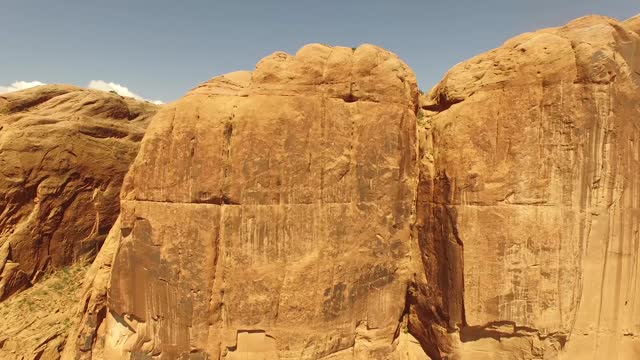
[437, 301]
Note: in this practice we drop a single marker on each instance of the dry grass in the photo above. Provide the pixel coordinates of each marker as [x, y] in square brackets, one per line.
[41, 316]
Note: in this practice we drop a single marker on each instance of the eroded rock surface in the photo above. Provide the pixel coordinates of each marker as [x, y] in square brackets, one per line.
[532, 150]
[63, 154]
[298, 212]
[269, 215]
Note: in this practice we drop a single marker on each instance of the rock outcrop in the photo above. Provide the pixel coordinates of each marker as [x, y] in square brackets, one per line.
[320, 208]
[268, 215]
[532, 150]
[63, 154]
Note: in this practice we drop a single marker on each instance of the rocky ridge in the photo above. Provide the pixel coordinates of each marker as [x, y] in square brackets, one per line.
[63, 154]
[320, 207]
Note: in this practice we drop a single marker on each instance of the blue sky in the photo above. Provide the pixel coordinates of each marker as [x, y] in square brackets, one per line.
[161, 49]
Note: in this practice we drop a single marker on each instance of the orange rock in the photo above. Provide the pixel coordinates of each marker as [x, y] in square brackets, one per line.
[634, 23]
[532, 150]
[298, 212]
[269, 216]
[63, 154]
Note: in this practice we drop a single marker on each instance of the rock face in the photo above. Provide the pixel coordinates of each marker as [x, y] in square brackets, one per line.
[532, 150]
[63, 154]
[320, 208]
[268, 215]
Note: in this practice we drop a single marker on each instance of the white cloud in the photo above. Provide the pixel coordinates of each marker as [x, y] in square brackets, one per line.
[93, 84]
[121, 90]
[19, 85]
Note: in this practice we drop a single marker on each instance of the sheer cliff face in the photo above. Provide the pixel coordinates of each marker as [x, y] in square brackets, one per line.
[298, 212]
[268, 215]
[533, 151]
[63, 154]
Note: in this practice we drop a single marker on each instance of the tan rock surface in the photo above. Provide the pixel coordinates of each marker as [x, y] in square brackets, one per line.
[634, 23]
[63, 154]
[533, 150]
[269, 215]
[297, 212]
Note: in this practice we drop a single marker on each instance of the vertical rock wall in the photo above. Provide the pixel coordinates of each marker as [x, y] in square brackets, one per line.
[269, 215]
[533, 150]
[296, 212]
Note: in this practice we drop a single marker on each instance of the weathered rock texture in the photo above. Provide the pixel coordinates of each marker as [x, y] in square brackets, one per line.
[530, 169]
[63, 154]
[298, 212]
[268, 215]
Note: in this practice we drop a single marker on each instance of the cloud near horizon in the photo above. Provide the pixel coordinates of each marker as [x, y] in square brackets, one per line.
[19, 85]
[93, 84]
[120, 89]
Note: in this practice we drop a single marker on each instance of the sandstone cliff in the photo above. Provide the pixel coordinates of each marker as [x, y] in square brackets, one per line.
[63, 154]
[268, 215]
[532, 150]
[319, 208]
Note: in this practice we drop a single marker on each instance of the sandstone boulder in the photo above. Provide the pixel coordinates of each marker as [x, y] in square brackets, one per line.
[532, 150]
[268, 216]
[634, 23]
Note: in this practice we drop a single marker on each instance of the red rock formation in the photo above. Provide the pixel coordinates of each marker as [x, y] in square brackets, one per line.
[296, 211]
[63, 154]
[532, 152]
[268, 216]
